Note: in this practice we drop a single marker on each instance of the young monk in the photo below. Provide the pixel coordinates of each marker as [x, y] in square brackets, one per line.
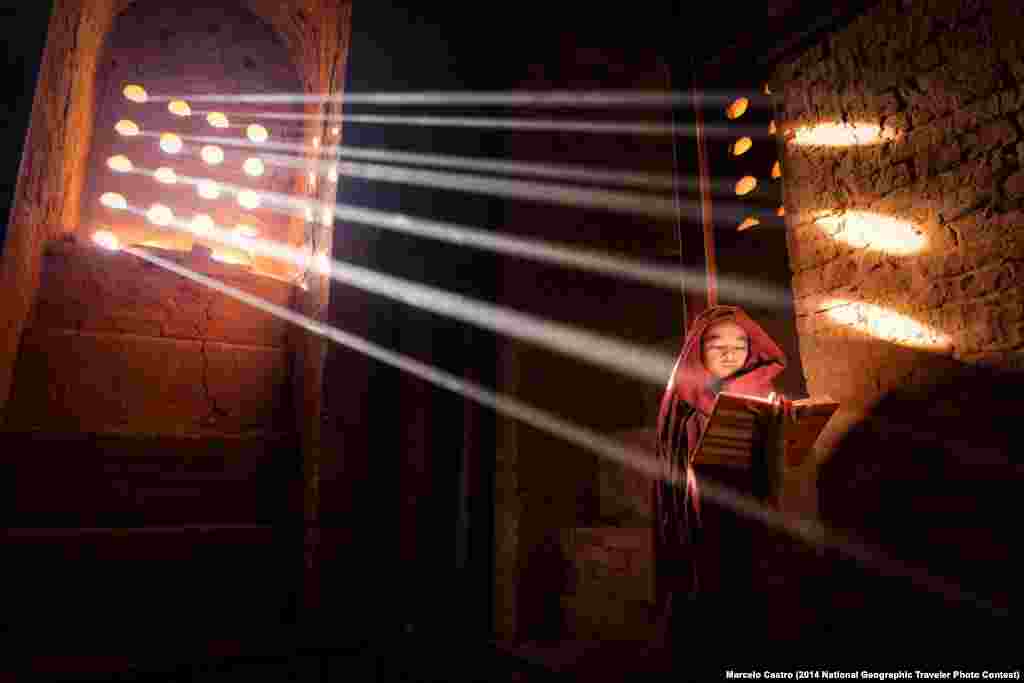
[724, 350]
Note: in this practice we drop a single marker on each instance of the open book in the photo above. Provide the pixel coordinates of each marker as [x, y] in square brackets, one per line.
[731, 433]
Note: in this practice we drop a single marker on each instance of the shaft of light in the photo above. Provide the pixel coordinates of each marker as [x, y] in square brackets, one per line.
[653, 206]
[531, 99]
[577, 173]
[604, 351]
[665, 277]
[299, 158]
[640, 128]
[807, 531]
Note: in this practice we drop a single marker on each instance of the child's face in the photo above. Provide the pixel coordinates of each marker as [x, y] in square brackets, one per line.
[724, 348]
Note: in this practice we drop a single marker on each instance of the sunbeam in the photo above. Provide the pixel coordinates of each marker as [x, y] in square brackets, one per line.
[532, 99]
[662, 276]
[809, 531]
[601, 350]
[641, 128]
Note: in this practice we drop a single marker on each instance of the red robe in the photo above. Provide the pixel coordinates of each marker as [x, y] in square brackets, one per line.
[685, 408]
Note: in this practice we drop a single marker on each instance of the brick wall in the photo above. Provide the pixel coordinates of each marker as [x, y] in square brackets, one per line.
[115, 345]
[943, 81]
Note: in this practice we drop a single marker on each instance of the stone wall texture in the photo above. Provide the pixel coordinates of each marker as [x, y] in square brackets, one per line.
[922, 218]
[117, 345]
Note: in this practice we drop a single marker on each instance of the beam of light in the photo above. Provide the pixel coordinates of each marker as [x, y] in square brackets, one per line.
[113, 200]
[626, 202]
[106, 239]
[120, 163]
[808, 531]
[550, 125]
[884, 324]
[170, 143]
[628, 359]
[667, 277]
[576, 173]
[560, 172]
[135, 93]
[493, 123]
[536, 99]
[126, 127]
[218, 119]
[839, 134]
[870, 230]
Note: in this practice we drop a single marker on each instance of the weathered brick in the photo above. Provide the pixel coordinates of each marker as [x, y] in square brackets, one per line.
[1014, 185]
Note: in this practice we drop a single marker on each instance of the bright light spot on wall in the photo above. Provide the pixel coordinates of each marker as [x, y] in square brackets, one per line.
[256, 132]
[230, 257]
[336, 131]
[741, 146]
[208, 189]
[746, 184]
[776, 170]
[135, 93]
[771, 127]
[159, 214]
[767, 90]
[170, 143]
[322, 264]
[843, 134]
[113, 200]
[166, 175]
[884, 324]
[737, 108]
[327, 217]
[309, 213]
[106, 239]
[243, 235]
[217, 119]
[120, 163]
[747, 224]
[179, 108]
[201, 225]
[126, 127]
[312, 180]
[316, 142]
[212, 154]
[332, 174]
[864, 229]
[246, 230]
[248, 199]
[253, 166]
